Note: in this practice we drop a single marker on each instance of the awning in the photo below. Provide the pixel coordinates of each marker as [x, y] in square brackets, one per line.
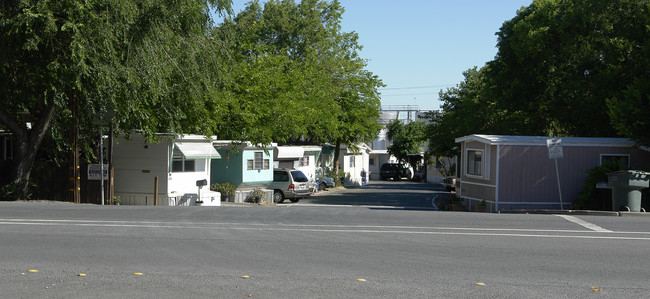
[197, 150]
[290, 152]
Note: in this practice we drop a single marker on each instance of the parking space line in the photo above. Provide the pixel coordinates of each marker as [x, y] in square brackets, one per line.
[585, 224]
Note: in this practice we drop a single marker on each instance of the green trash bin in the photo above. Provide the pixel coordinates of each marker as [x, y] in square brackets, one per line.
[626, 189]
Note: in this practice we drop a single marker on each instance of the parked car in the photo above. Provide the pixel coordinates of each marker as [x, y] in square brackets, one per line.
[324, 183]
[289, 184]
[395, 171]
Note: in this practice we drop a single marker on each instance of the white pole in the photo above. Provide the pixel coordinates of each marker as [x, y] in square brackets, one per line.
[557, 174]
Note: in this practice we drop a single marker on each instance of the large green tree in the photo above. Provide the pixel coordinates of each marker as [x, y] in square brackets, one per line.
[66, 64]
[406, 139]
[559, 62]
[467, 110]
[563, 68]
[298, 76]
[278, 87]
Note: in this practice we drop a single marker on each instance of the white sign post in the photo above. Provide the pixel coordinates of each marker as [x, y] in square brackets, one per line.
[554, 146]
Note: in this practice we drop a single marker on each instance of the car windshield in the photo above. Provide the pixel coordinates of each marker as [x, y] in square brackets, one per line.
[298, 176]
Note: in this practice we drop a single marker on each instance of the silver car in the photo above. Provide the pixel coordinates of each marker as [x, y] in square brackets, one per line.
[289, 183]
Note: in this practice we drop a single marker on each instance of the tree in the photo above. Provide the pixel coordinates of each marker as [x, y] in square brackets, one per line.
[559, 62]
[358, 99]
[66, 63]
[563, 68]
[278, 85]
[302, 73]
[466, 110]
[407, 139]
[630, 111]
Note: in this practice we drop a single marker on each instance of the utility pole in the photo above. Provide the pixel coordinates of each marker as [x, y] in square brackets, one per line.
[76, 186]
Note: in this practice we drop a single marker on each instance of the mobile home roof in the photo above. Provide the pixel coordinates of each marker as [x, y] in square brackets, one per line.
[541, 140]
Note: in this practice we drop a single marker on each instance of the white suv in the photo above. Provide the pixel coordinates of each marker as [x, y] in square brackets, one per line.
[289, 183]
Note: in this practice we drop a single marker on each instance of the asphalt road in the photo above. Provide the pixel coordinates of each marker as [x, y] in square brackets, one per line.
[317, 250]
[390, 194]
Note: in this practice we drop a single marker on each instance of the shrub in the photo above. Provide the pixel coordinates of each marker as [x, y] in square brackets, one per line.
[596, 175]
[256, 196]
[226, 189]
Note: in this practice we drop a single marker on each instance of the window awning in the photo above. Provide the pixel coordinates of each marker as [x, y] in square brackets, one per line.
[198, 150]
[290, 152]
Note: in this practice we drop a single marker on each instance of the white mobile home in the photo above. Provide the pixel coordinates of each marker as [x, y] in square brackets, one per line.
[180, 164]
[352, 161]
[300, 157]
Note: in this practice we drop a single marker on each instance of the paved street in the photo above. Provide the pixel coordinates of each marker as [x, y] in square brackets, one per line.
[389, 194]
[315, 249]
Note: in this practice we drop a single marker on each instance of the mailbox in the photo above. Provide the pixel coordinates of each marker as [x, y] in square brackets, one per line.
[201, 183]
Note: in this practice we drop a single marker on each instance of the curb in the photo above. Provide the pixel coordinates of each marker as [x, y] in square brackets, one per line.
[578, 212]
[634, 214]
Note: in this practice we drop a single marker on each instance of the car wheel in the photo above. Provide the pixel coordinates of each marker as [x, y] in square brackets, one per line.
[322, 186]
[278, 197]
[294, 199]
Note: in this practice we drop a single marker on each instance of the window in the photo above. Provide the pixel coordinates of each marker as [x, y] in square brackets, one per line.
[371, 161]
[185, 165]
[280, 176]
[304, 161]
[352, 161]
[474, 162]
[624, 159]
[6, 149]
[258, 162]
[180, 164]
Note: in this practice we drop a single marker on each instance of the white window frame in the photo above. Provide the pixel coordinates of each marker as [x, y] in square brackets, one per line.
[258, 162]
[304, 161]
[197, 166]
[352, 161]
[482, 163]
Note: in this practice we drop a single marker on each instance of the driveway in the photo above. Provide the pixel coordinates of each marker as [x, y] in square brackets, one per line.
[393, 194]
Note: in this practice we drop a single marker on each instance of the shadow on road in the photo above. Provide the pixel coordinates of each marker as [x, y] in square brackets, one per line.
[381, 193]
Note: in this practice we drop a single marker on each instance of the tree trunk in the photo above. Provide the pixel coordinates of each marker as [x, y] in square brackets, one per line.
[337, 152]
[28, 141]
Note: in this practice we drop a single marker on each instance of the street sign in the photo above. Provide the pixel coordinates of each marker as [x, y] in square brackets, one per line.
[95, 170]
[554, 148]
[555, 152]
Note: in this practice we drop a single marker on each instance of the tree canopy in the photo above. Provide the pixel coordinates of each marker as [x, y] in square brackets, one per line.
[406, 138]
[298, 76]
[68, 63]
[279, 73]
[563, 68]
[302, 73]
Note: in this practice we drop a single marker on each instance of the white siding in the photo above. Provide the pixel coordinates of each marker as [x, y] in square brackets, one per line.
[310, 170]
[353, 174]
[137, 163]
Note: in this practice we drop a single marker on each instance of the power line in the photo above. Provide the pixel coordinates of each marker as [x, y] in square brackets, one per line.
[407, 94]
[417, 87]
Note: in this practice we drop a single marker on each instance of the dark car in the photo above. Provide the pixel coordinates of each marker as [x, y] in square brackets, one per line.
[394, 171]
